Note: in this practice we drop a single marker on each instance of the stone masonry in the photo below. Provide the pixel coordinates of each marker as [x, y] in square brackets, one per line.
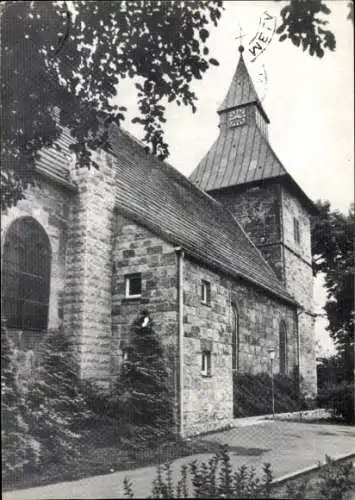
[299, 282]
[208, 401]
[89, 267]
[138, 250]
[266, 213]
[49, 205]
[257, 209]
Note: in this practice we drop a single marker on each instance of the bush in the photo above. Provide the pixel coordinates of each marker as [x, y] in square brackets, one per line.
[215, 479]
[56, 407]
[335, 479]
[142, 396]
[19, 449]
[339, 398]
[253, 394]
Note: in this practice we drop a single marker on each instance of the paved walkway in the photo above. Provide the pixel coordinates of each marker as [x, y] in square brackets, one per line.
[288, 446]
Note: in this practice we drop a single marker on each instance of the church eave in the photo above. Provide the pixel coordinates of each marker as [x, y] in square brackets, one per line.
[57, 179]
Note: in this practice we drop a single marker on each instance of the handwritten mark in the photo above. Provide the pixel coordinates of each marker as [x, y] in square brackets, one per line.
[264, 36]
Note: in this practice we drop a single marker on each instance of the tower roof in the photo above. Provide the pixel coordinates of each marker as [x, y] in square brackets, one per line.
[241, 90]
[242, 154]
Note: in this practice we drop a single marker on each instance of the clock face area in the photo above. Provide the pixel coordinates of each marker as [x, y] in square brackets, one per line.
[237, 117]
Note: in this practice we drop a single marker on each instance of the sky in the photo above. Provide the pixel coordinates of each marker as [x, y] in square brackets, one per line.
[310, 103]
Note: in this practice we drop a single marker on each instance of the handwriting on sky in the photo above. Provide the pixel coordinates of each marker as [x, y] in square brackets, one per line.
[263, 37]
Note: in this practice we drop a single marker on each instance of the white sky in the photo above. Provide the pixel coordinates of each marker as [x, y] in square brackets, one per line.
[309, 101]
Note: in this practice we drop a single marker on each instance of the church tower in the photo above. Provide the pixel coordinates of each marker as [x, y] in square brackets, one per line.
[242, 172]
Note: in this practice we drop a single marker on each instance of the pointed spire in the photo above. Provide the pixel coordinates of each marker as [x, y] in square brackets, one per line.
[241, 90]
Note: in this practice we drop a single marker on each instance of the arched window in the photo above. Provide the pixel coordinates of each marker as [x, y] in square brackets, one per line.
[235, 339]
[283, 347]
[26, 275]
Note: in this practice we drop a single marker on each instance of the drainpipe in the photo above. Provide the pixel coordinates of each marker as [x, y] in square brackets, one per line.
[298, 313]
[180, 290]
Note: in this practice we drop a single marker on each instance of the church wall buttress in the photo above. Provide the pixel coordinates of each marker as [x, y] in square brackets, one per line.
[87, 311]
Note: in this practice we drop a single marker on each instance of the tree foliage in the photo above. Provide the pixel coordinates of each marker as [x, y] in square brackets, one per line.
[18, 448]
[73, 60]
[333, 255]
[56, 407]
[52, 57]
[144, 386]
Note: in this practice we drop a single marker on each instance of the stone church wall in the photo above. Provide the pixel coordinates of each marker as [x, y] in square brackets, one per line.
[49, 205]
[257, 209]
[299, 282]
[138, 250]
[208, 401]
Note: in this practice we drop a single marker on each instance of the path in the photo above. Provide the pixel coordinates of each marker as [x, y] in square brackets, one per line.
[288, 446]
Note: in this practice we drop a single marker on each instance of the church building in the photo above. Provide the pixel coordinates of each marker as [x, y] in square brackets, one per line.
[221, 262]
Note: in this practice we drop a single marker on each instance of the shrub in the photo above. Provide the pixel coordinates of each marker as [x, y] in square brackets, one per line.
[253, 394]
[214, 479]
[19, 449]
[339, 398]
[142, 394]
[217, 479]
[335, 479]
[56, 407]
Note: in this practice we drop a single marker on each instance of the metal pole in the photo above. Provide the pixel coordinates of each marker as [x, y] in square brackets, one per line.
[272, 388]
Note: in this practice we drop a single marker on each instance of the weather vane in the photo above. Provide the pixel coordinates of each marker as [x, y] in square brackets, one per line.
[240, 37]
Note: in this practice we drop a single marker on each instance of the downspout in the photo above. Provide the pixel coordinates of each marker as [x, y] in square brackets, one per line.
[180, 296]
[298, 352]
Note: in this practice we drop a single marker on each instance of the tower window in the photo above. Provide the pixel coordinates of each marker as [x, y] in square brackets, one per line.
[296, 230]
[133, 285]
[206, 363]
[205, 292]
[26, 276]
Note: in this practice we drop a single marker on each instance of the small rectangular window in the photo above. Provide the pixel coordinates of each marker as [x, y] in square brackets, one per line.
[133, 285]
[296, 230]
[205, 292]
[206, 363]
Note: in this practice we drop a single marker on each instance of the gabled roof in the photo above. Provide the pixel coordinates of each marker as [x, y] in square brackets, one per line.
[156, 195]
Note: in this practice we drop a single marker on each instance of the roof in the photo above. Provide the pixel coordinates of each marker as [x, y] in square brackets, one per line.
[55, 162]
[241, 90]
[239, 155]
[154, 194]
